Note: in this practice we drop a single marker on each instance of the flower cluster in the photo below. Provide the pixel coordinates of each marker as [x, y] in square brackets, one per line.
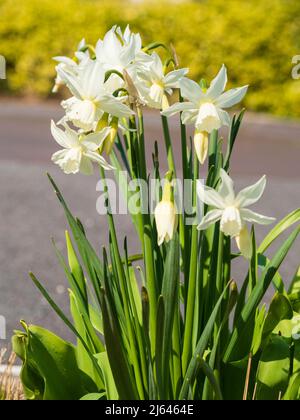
[100, 80]
[109, 82]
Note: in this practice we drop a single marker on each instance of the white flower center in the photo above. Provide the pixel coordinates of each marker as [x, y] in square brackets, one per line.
[231, 222]
[208, 118]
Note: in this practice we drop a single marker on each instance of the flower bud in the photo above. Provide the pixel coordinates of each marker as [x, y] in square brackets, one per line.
[166, 217]
[110, 140]
[244, 243]
[201, 145]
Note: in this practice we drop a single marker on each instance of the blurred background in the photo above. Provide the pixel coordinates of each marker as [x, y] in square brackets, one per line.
[259, 42]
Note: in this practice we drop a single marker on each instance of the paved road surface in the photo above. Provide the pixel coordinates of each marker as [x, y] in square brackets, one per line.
[30, 214]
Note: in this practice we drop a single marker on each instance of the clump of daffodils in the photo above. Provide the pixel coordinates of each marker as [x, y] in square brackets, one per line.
[109, 83]
[167, 323]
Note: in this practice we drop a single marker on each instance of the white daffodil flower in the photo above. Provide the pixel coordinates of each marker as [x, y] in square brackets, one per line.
[205, 109]
[166, 217]
[69, 65]
[232, 211]
[154, 86]
[119, 51]
[91, 98]
[79, 151]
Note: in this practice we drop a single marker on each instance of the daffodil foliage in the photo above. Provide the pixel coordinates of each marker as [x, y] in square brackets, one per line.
[170, 323]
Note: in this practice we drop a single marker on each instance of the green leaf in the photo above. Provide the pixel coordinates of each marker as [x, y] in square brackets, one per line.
[76, 269]
[110, 386]
[54, 362]
[295, 285]
[241, 331]
[96, 319]
[92, 341]
[159, 345]
[170, 293]
[93, 397]
[273, 370]
[293, 391]
[235, 126]
[64, 318]
[89, 257]
[277, 281]
[280, 309]
[118, 361]
[281, 227]
[200, 349]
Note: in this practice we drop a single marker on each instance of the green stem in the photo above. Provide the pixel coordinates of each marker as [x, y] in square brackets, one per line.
[168, 143]
[177, 372]
[183, 229]
[190, 304]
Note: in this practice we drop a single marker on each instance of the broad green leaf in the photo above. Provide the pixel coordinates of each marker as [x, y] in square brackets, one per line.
[293, 391]
[273, 370]
[280, 309]
[54, 361]
[65, 319]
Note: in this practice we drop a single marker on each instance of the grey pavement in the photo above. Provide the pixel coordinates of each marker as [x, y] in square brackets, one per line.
[31, 215]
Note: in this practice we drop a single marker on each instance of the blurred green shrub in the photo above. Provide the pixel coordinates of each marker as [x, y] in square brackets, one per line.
[255, 39]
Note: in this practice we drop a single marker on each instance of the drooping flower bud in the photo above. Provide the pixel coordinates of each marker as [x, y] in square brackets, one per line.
[201, 145]
[166, 217]
[244, 243]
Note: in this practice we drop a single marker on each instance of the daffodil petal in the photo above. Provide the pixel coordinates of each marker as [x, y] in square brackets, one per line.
[231, 97]
[250, 195]
[176, 108]
[94, 141]
[114, 107]
[86, 166]
[99, 159]
[226, 189]
[191, 91]
[218, 85]
[252, 217]
[210, 219]
[173, 78]
[62, 138]
[210, 196]
[224, 117]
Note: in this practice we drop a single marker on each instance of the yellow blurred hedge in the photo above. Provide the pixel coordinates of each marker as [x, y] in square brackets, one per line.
[255, 39]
